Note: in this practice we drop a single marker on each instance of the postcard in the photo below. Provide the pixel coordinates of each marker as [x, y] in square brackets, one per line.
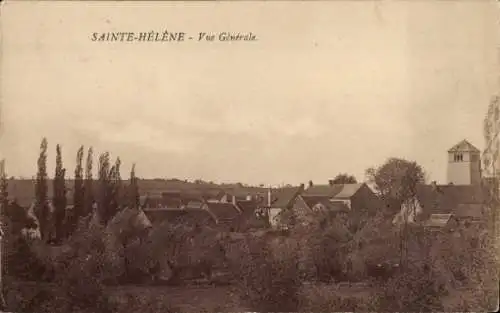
[259, 156]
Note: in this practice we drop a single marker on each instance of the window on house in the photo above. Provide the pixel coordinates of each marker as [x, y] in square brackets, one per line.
[458, 157]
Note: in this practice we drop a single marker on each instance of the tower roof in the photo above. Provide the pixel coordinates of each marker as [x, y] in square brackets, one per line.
[464, 146]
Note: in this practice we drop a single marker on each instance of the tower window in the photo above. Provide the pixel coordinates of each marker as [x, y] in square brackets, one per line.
[458, 157]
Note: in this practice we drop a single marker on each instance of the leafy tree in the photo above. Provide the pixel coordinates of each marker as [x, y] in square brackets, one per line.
[88, 184]
[79, 191]
[344, 178]
[267, 276]
[41, 207]
[490, 133]
[396, 180]
[59, 196]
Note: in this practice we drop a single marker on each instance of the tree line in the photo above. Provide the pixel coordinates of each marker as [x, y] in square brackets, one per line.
[104, 196]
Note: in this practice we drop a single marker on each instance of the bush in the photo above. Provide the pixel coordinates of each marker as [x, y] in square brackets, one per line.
[415, 289]
[80, 267]
[20, 261]
[322, 239]
[269, 281]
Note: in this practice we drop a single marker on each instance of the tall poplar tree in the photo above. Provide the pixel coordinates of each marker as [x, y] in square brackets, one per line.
[89, 185]
[59, 197]
[79, 191]
[114, 189]
[41, 207]
[4, 194]
[116, 185]
[104, 196]
[133, 189]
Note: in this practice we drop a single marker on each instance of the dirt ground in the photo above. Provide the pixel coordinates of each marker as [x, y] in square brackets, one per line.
[185, 298]
[216, 298]
[209, 298]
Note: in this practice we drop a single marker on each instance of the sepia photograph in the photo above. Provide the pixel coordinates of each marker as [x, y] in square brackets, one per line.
[249, 156]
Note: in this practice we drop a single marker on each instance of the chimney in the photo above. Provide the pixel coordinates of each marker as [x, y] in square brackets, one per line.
[310, 183]
[330, 182]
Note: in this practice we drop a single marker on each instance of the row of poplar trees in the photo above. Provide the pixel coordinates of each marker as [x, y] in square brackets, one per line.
[107, 194]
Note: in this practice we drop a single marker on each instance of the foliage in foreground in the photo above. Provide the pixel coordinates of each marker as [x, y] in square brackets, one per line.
[269, 280]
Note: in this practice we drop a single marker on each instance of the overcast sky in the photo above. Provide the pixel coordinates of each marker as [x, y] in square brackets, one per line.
[327, 88]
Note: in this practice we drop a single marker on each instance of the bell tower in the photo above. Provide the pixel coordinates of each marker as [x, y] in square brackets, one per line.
[464, 164]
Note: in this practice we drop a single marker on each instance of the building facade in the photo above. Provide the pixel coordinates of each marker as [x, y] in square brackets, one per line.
[464, 164]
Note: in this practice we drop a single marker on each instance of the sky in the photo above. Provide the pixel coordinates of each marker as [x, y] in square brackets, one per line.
[328, 87]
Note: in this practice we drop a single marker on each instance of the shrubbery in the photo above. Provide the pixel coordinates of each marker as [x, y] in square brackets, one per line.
[413, 290]
[266, 269]
[79, 268]
[269, 282]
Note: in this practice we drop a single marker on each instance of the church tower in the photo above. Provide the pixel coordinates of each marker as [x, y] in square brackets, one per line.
[464, 164]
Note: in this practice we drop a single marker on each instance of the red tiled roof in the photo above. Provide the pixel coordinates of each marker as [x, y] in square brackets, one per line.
[223, 210]
[323, 190]
[334, 206]
[180, 216]
[284, 197]
[313, 200]
[341, 191]
[248, 206]
[447, 199]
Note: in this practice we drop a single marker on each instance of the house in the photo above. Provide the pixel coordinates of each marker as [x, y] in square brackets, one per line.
[242, 193]
[434, 203]
[356, 197]
[227, 215]
[191, 209]
[438, 222]
[463, 200]
[323, 204]
[353, 203]
[190, 217]
[251, 217]
[278, 202]
[344, 199]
